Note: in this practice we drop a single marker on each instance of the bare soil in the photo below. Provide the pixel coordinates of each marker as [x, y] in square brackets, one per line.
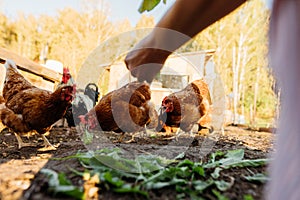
[19, 169]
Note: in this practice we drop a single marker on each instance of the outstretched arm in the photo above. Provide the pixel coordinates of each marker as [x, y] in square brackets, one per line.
[182, 21]
[192, 16]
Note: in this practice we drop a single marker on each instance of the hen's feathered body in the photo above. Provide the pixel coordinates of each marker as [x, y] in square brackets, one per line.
[28, 108]
[126, 109]
[186, 107]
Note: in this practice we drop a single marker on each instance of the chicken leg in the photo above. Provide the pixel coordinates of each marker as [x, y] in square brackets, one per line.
[47, 145]
[22, 144]
[145, 130]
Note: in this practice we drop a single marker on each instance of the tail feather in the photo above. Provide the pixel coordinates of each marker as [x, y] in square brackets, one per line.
[10, 63]
[14, 81]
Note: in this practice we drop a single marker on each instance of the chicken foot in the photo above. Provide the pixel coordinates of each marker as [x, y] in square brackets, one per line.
[132, 138]
[121, 138]
[47, 145]
[22, 144]
[191, 132]
[138, 133]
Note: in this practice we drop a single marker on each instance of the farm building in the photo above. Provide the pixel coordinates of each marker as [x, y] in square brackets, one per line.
[178, 71]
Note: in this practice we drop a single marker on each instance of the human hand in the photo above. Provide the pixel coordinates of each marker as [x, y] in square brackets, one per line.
[144, 61]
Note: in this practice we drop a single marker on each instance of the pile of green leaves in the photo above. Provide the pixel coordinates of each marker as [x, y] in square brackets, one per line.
[149, 172]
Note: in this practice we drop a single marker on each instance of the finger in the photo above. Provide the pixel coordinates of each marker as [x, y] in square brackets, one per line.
[147, 72]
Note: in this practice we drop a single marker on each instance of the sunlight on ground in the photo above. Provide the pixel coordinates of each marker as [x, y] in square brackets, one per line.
[10, 178]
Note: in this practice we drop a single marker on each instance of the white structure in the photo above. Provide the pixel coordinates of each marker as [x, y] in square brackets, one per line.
[54, 65]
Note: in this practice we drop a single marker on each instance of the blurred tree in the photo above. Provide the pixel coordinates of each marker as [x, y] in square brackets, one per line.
[24, 39]
[8, 34]
[145, 21]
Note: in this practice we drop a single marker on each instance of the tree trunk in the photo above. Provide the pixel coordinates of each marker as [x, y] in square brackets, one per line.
[235, 69]
[241, 81]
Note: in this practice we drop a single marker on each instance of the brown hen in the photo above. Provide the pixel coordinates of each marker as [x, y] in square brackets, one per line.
[31, 109]
[186, 108]
[127, 109]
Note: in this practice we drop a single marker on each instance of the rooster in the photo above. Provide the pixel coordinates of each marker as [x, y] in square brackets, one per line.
[127, 109]
[186, 108]
[31, 109]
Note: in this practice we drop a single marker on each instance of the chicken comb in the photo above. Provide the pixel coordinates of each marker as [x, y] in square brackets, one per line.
[66, 70]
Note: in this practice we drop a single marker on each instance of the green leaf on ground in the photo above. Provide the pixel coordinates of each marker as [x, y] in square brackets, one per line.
[248, 197]
[219, 195]
[59, 184]
[259, 177]
[121, 173]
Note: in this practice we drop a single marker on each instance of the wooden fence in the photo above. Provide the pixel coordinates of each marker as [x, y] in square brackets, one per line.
[36, 73]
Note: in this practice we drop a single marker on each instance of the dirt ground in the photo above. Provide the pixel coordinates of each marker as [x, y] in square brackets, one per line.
[19, 169]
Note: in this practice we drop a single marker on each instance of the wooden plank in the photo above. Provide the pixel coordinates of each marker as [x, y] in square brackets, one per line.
[29, 66]
[38, 81]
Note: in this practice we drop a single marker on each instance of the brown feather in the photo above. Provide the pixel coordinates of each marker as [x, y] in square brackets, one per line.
[126, 109]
